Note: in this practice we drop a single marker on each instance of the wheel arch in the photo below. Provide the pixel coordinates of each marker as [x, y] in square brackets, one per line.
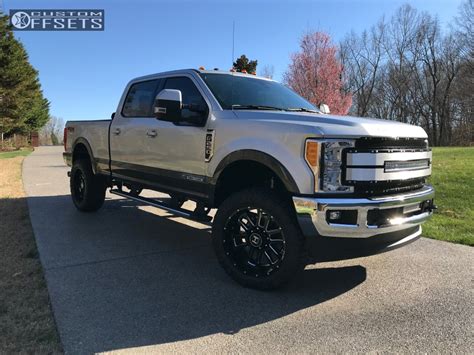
[82, 149]
[259, 162]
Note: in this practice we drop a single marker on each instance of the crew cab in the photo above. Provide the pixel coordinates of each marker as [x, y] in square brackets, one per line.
[291, 183]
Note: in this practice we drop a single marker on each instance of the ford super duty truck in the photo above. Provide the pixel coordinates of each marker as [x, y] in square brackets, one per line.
[290, 182]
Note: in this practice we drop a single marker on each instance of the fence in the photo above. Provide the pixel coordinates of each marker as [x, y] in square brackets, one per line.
[14, 142]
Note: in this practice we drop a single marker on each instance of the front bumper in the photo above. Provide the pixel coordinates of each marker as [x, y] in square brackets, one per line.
[370, 216]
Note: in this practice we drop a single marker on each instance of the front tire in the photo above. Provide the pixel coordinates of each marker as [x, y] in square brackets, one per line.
[87, 189]
[256, 239]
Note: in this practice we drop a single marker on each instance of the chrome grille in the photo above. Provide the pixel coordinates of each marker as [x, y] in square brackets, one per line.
[385, 165]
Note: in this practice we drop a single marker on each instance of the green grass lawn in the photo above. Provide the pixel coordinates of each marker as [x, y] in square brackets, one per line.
[16, 153]
[453, 179]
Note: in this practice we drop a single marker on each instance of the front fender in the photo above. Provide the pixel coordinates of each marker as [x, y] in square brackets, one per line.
[286, 161]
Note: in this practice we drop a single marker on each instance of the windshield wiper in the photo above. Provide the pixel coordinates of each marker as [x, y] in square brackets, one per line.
[301, 109]
[256, 107]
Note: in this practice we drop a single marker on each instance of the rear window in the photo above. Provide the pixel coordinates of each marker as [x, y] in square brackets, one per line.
[139, 100]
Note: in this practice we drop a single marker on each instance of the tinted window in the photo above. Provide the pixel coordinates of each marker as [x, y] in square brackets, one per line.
[190, 95]
[232, 90]
[140, 98]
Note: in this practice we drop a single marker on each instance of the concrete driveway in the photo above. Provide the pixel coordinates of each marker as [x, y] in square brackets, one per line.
[126, 279]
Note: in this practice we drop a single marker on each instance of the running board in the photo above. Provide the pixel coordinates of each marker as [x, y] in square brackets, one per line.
[160, 204]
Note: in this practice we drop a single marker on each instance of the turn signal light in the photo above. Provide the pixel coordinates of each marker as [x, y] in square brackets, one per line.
[311, 155]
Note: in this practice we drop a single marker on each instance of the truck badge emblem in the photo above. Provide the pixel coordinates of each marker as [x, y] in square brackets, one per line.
[209, 145]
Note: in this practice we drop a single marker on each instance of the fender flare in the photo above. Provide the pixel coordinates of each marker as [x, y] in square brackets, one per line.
[84, 141]
[259, 157]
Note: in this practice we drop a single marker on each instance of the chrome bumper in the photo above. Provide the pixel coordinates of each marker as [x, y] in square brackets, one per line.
[403, 211]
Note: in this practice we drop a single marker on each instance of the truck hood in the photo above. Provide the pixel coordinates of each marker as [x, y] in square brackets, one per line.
[336, 126]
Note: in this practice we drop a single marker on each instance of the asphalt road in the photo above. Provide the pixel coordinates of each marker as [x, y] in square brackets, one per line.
[127, 279]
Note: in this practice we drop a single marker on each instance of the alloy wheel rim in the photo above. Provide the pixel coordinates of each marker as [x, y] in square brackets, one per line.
[254, 241]
[79, 186]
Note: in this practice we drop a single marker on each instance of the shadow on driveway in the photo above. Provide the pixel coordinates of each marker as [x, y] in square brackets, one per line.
[123, 277]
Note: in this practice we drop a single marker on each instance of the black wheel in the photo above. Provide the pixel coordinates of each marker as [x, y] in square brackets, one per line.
[87, 189]
[256, 239]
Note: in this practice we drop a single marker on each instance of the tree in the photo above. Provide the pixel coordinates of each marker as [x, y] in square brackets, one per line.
[316, 73]
[465, 24]
[463, 86]
[23, 108]
[52, 132]
[362, 58]
[267, 71]
[244, 64]
[407, 69]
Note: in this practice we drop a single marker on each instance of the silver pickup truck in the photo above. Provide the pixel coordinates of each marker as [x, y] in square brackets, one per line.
[291, 184]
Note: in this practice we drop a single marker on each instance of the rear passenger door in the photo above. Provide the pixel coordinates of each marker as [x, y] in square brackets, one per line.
[131, 129]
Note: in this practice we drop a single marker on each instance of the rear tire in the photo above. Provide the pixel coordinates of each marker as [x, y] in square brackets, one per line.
[87, 189]
[257, 240]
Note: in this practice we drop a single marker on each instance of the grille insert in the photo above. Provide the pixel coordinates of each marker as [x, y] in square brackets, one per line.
[389, 158]
[391, 143]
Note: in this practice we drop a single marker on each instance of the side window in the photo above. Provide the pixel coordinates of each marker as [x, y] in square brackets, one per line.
[190, 95]
[139, 100]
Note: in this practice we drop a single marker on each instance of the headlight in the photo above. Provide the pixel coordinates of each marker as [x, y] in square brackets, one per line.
[324, 157]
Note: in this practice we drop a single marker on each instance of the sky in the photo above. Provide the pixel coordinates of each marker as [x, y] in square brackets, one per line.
[83, 74]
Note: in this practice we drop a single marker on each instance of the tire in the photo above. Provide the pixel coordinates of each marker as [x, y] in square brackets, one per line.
[247, 226]
[87, 189]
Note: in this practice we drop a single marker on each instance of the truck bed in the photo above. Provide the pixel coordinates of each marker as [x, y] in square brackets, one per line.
[93, 133]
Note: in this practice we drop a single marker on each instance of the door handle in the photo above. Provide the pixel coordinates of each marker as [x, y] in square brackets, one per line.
[117, 131]
[152, 133]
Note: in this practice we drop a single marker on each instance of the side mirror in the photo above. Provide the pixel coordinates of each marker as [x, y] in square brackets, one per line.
[168, 105]
[112, 116]
[324, 108]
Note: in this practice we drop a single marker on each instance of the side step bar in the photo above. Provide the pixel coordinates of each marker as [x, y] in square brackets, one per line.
[162, 205]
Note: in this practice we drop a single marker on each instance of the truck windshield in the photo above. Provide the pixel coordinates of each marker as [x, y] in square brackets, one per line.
[241, 92]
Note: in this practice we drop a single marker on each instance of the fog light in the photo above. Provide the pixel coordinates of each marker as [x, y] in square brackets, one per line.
[334, 215]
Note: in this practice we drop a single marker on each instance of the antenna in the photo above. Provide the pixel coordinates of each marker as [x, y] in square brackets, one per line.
[233, 41]
[232, 79]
